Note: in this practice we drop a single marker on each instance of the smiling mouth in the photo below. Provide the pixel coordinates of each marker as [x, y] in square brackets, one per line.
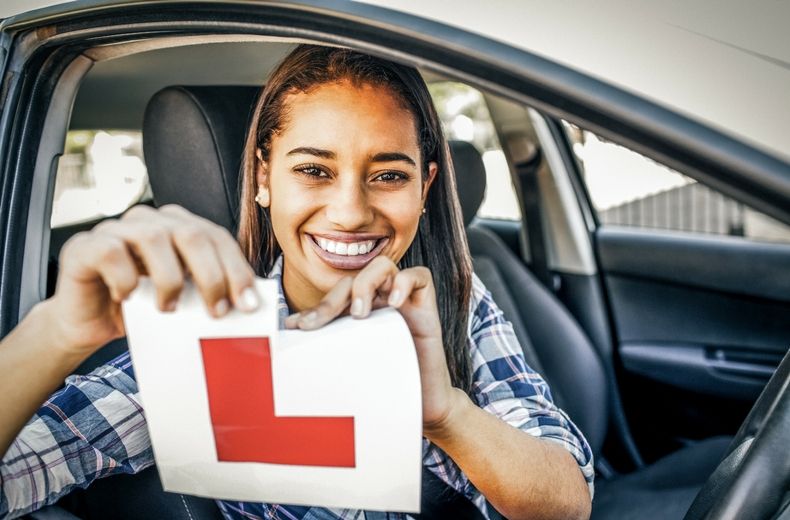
[347, 254]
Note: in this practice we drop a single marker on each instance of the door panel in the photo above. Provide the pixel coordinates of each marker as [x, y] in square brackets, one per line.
[701, 323]
[726, 264]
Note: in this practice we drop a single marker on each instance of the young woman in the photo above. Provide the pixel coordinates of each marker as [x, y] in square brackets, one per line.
[348, 198]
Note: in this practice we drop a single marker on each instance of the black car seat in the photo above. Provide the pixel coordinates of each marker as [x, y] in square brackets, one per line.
[557, 347]
[197, 165]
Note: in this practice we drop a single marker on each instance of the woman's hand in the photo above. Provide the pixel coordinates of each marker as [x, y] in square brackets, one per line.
[101, 267]
[411, 291]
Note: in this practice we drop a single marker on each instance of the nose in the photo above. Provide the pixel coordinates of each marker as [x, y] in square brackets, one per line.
[349, 206]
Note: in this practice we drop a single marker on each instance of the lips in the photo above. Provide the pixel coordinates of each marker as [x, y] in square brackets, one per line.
[346, 252]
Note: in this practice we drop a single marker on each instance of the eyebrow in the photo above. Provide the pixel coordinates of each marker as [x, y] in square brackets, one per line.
[328, 154]
[306, 150]
[392, 156]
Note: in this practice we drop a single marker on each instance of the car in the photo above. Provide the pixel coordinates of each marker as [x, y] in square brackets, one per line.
[656, 306]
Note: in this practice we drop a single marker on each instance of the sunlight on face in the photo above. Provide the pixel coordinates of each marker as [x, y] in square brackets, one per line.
[345, 185]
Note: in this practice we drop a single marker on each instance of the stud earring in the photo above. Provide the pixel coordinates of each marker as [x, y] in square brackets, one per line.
[262, 198]
[424, 211]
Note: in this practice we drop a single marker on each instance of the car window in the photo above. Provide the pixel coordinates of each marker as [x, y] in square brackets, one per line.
[628, 189]
[100, 174]
[465, 117]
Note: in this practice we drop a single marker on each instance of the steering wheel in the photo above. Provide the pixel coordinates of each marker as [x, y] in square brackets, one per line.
[753, 480]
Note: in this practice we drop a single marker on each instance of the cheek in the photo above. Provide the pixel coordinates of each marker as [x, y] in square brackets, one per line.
[289, 209]
[403, 215]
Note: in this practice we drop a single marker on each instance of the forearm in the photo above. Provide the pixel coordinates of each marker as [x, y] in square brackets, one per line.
[32, 369]
[521, 475]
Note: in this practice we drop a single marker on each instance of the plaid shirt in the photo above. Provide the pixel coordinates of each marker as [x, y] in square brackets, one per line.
[94, 427]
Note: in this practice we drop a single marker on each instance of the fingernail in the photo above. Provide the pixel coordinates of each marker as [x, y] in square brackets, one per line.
[395, 298]
[221, 307]
[292, 321]
[357, 307]
[248, 300]
[170, 306]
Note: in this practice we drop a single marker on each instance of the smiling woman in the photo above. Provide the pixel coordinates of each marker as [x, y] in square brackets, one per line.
[348, 199]
[335, 173]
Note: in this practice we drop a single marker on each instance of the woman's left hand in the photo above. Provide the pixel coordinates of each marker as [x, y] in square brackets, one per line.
[411, 291]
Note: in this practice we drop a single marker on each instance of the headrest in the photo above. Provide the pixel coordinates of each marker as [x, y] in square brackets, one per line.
[192, 141]
[470, 176]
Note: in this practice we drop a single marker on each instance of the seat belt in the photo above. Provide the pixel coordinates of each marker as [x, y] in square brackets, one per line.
[527, 175]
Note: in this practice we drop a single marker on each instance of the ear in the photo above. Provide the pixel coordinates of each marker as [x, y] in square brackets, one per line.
[262, 197]
[433, 168]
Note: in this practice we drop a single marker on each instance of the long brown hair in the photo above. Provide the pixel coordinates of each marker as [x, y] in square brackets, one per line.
[440, 243]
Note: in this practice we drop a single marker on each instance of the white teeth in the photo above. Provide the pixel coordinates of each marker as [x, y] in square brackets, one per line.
[345, 248]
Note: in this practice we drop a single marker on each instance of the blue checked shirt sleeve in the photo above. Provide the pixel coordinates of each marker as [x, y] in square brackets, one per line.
[506, 387]
[91, 428]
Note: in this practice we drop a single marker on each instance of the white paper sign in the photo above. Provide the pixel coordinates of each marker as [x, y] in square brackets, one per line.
[346, 426]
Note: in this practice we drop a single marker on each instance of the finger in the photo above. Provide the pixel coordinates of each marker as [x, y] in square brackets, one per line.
[292, 320]
[151, 243]
[88, 257]
[120, 275]
[198, 253]
[330, 307]
[238, 272]
[236, 284]
[408, 284]
[374, 280]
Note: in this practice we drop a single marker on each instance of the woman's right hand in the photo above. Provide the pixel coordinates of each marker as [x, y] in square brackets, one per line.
[101, 267]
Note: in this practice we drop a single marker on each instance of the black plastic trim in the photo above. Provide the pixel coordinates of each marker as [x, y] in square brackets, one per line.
[727, 264]
[697, 368]
[23, 129]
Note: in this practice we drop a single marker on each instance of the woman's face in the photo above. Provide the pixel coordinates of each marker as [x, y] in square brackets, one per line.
[344, 183]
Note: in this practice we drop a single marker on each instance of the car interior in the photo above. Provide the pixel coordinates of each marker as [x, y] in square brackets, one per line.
[656, 342]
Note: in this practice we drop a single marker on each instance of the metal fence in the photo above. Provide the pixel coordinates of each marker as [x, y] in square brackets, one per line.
[692, 207]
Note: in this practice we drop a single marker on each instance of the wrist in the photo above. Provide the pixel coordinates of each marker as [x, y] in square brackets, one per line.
[43, 318]
[444, 430]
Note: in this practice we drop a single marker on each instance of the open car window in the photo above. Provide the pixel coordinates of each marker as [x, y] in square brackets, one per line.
[465, 117]
[101, 174]
[628, 189]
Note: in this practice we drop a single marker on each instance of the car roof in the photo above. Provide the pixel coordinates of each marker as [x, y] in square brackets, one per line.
[725, 63]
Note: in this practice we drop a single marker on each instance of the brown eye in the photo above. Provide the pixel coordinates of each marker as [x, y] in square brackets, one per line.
[312, 171]
[392, 177]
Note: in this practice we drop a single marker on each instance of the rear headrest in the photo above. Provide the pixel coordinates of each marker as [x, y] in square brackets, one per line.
[470, 176]
[192, 141]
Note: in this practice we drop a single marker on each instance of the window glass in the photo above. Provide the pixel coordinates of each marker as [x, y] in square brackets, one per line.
[628, 189]
[101, 173]
[465, 117]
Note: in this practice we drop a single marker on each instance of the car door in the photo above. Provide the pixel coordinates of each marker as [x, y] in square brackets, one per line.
[697, 290]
